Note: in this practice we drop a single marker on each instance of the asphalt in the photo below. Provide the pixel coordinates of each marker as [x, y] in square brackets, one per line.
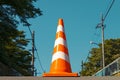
[60, 78]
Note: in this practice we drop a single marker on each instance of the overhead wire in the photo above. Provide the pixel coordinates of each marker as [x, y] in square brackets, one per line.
[108, 9]
[39, 60]
[30, 30]
[107, 12]
[36, 52]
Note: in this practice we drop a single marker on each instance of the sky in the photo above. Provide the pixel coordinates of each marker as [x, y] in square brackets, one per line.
[80, 19]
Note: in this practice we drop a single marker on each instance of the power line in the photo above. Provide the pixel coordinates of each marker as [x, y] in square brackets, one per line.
[102, 26]
[109, 9]
[39, 60]
[30, 30]
[87, 57]
[36, 51]
[107, 12]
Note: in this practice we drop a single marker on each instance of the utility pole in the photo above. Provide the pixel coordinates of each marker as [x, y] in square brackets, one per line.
[102, 26]
[103, 52]
[35, 72]
[33, 48]
[82, 65]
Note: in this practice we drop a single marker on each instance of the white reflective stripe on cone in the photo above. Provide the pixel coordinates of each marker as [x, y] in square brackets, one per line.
[60, 55]
[60, 41]
[60, 28]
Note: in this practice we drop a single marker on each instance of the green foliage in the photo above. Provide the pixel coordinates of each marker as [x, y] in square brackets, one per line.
[13, 53]
[23, 9]
[94, 64]
[12, 41]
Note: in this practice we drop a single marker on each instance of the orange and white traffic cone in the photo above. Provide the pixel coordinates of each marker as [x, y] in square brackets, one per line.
[60, 65]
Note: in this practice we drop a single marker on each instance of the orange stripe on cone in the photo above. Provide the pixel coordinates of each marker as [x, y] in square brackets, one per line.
[60, 48]
[60, 65]
[60, 34]
[60, 22]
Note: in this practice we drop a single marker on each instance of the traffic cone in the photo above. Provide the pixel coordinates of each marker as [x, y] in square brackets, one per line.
[60, 65]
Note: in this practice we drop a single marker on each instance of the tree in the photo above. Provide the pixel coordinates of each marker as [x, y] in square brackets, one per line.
[12, 41]
[12, 50]
[94, 64]
[10, 9]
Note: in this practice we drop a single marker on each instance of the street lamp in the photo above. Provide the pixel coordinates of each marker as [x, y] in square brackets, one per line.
[92, 42]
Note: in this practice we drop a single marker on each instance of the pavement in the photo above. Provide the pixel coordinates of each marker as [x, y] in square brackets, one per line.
[60, 78]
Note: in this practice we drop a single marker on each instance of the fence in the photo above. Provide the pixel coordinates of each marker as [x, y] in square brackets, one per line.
[111, 69]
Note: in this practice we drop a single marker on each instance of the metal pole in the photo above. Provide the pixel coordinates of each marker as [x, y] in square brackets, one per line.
[103, 54]
[101, 25]
[33, 45]
[82, 65]
[103, 43]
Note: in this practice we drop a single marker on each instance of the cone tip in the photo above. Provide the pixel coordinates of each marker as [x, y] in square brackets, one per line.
[60, 22]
